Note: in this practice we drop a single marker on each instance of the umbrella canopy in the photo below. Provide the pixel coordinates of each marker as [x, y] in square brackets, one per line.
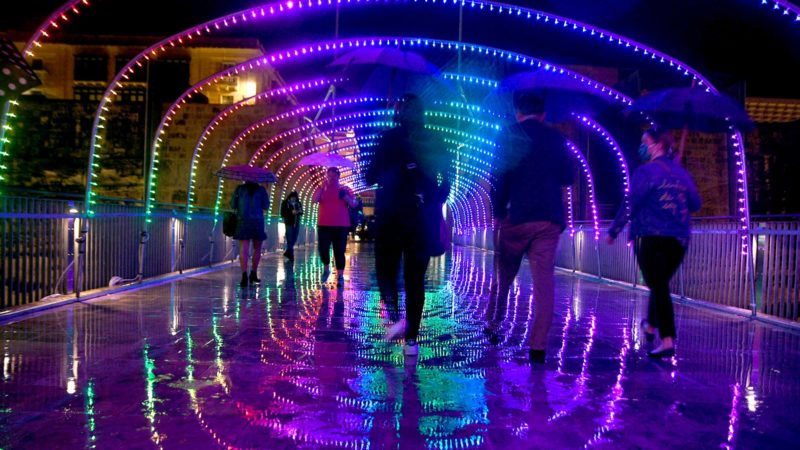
[326, 160]
[562, 93]
[694, 109]
[247, 173]
[389, 72]
[16, 76]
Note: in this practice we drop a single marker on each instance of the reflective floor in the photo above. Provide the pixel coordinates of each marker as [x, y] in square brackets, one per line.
[200, 363]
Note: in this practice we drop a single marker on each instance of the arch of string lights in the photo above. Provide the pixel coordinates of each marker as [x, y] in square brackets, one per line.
[327, 47]
[309, 49]
[278, 9]
[287, 186]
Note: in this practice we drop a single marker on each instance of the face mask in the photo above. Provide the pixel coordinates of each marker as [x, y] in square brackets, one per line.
[643, 153]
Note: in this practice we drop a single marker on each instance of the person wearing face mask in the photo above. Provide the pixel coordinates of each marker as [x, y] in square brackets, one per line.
[663, 196]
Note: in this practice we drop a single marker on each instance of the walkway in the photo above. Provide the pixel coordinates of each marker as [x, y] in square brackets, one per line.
[200, 363]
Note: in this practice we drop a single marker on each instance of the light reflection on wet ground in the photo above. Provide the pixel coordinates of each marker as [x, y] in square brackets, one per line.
[291, 364]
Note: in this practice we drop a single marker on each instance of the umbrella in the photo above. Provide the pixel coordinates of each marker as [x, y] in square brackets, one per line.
[563, 94]
[16, 76]
[326, 160]
[692, 109]
[387, 71]
[247, 173]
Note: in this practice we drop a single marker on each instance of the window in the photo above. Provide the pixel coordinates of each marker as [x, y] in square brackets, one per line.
[91, 68]
[88, 93]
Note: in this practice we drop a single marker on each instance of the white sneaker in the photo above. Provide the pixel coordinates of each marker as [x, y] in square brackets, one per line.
[411, 348]
[395, 330]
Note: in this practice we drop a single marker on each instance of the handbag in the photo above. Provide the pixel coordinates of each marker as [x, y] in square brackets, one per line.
[443, 241]
[229, 223]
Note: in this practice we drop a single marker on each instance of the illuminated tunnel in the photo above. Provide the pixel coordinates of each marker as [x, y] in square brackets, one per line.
[469, 140]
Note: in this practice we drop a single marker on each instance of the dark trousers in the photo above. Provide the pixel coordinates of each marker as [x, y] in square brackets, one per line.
[292, 232]
[395, 242]
[336, 236]
[659, 258]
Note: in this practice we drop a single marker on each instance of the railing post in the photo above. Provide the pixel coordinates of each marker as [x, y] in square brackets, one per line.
[574, 254]
[70, 278]
[81, 241]
[144, 236]
[680, 280]
[597, 256]
[211, 247]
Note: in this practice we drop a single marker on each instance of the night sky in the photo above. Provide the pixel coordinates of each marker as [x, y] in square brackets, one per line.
[730, 42]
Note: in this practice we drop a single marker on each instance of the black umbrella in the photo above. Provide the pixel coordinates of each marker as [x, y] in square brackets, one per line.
[16, 76]
[563, 94]
[695, 109]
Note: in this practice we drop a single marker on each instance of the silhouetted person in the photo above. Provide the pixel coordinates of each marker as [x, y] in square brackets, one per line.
[410, 166]
[250, 200]
[533, 169]
[291, 210]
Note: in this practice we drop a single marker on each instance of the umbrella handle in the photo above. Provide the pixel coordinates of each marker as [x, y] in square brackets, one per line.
[679, 156]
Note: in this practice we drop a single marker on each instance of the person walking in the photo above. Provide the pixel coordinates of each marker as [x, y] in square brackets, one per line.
[663, 196]
[333, 222]
[249, 200]
[411, 166]
[291, 210]
[533, 170]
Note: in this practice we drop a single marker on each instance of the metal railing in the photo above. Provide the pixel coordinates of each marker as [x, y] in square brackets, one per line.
[714, 269]
[47, 247]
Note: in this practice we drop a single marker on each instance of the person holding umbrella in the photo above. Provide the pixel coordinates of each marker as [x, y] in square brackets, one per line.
[411, 167]
[250, 200]
[663, 196]
[291, 210]
[333, 222]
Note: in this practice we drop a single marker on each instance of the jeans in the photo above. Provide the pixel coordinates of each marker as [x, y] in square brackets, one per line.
[291, 238]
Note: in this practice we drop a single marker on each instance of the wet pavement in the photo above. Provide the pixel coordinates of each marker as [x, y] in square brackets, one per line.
[200, 363]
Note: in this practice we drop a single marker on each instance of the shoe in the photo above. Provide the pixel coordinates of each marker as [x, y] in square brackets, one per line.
[645, 326]
[411, 348]
[660, 353]
[536, 356]
[253, 278]
[492, 335]
[325, 274]
[243, 283]
[395, 330]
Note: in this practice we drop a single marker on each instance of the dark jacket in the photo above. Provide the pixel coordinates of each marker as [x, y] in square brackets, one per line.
[663, 196]
[290, 219]
[411, 170]
[532, 164]
[250, 200]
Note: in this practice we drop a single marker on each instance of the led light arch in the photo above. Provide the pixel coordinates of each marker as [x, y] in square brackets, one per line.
[595, 126]
[329, 46]
[282, 7]
[229, 112]
[55, 20]
[280, 136]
